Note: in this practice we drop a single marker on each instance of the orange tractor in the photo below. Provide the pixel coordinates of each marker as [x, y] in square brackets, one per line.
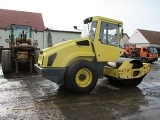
[21, 49]
[145, 53]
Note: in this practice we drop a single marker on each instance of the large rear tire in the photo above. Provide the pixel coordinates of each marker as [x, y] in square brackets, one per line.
[6, 61]
[81, 77]
[132, 82]
[144, 60]
[36, 55]
[112, 80]
[128, 82]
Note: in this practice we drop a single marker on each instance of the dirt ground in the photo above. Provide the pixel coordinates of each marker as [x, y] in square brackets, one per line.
[31, 97]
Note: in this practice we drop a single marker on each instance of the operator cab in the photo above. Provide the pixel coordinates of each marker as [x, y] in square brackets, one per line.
[110, 33]
[21, 34]
[106, 34]
[153, 50]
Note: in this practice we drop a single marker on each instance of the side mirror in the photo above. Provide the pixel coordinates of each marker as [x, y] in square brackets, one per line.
[7, 40]
[35, 43]
[35, 30]
[122, 32]
[6, 28]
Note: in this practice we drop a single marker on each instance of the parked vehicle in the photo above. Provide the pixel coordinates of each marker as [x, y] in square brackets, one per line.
[77, 64]
[20, 50]
[145, 53]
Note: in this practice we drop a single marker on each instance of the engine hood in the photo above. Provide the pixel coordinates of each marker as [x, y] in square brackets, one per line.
[61, 54]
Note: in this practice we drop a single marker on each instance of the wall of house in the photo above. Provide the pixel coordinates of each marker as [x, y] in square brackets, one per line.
[60, 36]
[137, 38]
[3, 36]
[41, 37]
[35, 36]
[124, 40]
[139, 45]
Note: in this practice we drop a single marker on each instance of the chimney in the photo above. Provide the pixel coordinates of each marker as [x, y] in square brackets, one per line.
[75, 27]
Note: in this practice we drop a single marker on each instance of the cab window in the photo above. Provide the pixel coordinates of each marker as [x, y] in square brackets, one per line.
[89, 29]
[108, 33]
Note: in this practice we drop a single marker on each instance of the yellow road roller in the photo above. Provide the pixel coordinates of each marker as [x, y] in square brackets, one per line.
[78, 64]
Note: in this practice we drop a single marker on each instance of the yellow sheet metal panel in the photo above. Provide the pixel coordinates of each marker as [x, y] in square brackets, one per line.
[66, 52]
[134, 73]
[127, 73]
[125, 65]
[107, 52]
[111, 72]
[107, 19]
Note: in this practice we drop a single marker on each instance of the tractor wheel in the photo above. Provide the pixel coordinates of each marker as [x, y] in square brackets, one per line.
[36, 54]
[128, 82]
[132, 82]
[135, 81]
[81, 77]
[6, 61]
[144, 60]
[114, 81]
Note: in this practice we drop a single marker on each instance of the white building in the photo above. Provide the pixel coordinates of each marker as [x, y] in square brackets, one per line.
[8, 17]
[145, 38]
[60, 35]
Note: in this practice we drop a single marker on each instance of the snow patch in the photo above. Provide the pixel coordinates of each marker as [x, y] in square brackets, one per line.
[2, 81]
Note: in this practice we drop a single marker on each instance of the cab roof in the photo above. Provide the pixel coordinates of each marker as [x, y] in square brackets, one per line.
[103, 19]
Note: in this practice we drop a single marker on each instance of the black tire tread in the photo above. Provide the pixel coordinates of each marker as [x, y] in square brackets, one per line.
[6, 61]
[70, 77]
[36, 55]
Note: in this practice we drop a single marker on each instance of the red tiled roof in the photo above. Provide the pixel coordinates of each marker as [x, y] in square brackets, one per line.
[8, 17]
[152, 37]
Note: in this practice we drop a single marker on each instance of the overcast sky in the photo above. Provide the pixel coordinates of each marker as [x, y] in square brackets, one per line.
[142, 14]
